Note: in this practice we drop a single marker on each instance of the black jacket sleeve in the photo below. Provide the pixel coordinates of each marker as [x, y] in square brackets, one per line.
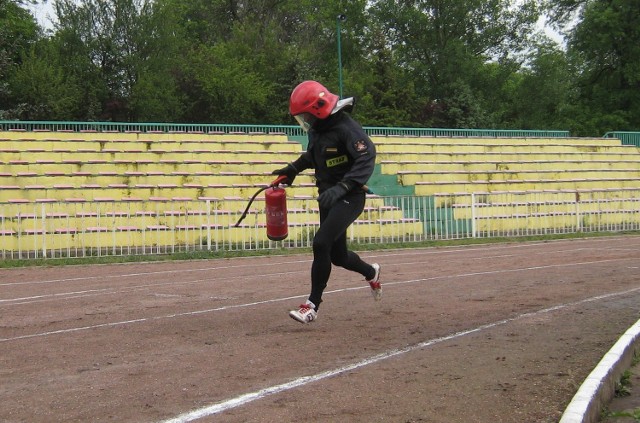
[303, 162]
[363, 152]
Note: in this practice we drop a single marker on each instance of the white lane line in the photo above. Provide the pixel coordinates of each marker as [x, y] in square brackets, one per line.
[276, 300]
[389, 253]
[253, 396]
[157, 272]
[525, 269]
[145, 319]
[72, 294]
[113, 291]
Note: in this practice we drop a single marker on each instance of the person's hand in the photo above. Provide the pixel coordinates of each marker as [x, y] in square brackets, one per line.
[329, 197]
[289, 171]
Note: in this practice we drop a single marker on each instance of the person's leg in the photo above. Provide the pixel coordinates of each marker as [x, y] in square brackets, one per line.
[330, 228]
[330, 245]
[342, 256]
[320, 268]
[340, 253]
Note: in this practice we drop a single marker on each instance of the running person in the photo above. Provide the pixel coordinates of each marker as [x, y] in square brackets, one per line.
[343, 158]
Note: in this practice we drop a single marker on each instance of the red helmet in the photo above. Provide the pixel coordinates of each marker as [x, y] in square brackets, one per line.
[314, 98]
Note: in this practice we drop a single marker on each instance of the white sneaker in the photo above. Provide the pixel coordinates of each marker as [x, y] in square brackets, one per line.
[305, 314]
[376, 287]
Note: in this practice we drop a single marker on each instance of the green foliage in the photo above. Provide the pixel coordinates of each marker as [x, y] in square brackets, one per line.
[606, 47]
[634, 414]
[43, 91]
[623, 386]
[222, 75]
[18, 33]
[545, 85]
[386, 95]
[457, 64]
[448, 47]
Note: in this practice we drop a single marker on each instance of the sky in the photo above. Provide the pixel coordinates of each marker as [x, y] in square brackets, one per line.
[44, 14]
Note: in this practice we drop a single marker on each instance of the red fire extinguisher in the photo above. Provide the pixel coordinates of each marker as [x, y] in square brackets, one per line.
[275, 210]
[275, 199]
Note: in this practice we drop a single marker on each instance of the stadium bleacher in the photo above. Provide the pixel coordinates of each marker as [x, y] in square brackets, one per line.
[89, 190]
[105, 189]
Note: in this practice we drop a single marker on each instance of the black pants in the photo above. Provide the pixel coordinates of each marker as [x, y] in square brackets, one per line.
[330, 244]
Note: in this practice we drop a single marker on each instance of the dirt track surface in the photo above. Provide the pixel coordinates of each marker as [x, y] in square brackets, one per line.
[492, 333]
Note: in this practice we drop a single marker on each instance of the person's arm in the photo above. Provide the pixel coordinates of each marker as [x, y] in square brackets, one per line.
[292, 169]
[363, 152]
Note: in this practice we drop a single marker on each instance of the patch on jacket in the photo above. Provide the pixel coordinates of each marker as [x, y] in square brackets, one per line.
[360, 146]
[337, 161]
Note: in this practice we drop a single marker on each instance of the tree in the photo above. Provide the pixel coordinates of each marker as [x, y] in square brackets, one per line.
[385, 95]
[445, 46]
[18, 33]
[605, 46]
[416, 63]
[562, 13]
[45, 93]
[542, 94]
[110, 46]
[227, 70]
[244, 57]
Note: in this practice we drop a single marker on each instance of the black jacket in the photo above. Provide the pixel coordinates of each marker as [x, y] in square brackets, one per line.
[340, 151]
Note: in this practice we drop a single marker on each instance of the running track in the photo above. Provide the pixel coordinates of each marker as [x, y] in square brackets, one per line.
[489, 333]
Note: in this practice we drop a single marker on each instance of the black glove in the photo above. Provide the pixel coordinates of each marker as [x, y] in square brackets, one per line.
[329, 197]
[289, 171]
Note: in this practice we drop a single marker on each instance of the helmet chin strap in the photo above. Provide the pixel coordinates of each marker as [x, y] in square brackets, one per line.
[345, 104]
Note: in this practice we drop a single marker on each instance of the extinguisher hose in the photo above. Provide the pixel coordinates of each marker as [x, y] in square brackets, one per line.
[275, 183]
[244, 214]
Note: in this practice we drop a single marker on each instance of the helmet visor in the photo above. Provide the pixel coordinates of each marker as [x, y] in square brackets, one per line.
[306, 121]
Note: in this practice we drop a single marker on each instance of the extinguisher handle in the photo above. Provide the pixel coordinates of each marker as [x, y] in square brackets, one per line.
[279, 180]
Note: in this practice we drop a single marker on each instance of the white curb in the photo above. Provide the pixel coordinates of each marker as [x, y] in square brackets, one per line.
[599, 387]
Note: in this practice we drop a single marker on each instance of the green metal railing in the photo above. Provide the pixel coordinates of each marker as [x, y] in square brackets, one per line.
[443, 132]
[147, 127]
[627, 138]
[290, 130]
